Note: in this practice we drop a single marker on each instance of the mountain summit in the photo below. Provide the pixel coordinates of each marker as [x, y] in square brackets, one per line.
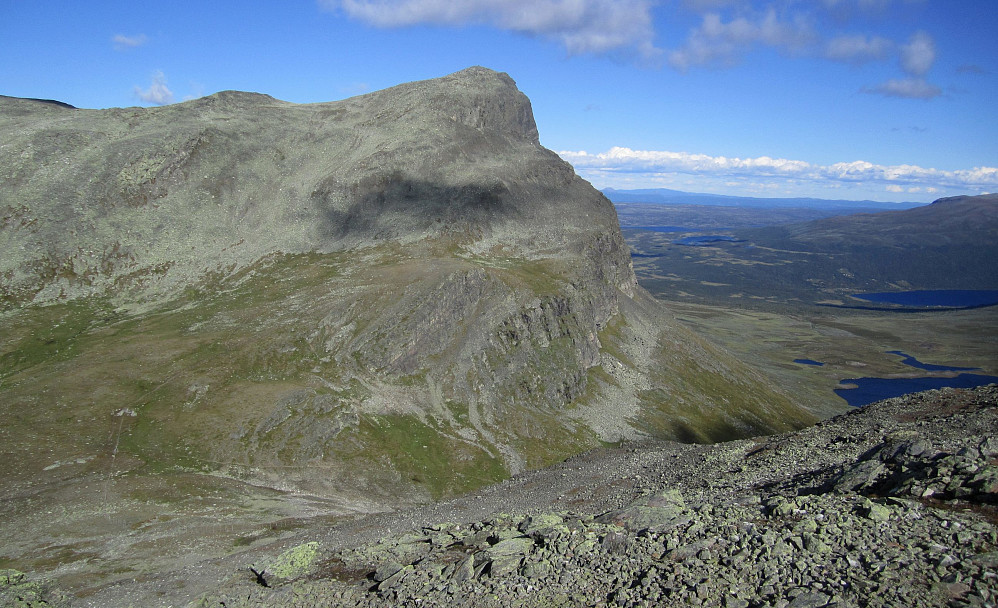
[375, 302]
[146, 200]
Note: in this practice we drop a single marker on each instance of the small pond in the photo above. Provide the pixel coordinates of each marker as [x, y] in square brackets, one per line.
[707, 239]
[808, 362]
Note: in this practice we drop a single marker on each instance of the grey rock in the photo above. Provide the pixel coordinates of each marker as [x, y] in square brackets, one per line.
[861, 475]
[658, 513]
[520, 545]
[813, 599]
[989, 447]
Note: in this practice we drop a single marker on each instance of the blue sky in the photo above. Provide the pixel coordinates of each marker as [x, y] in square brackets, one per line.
[857, 99]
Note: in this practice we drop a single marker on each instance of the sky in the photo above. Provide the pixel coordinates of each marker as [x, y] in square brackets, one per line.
[889, 100]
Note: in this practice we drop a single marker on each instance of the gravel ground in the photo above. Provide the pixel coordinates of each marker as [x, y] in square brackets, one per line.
[894, 504]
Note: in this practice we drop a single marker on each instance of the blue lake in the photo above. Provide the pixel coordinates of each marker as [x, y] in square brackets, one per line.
[913, 362]
[935, 298]
[870, 390]
[808, 362]
[700, 241]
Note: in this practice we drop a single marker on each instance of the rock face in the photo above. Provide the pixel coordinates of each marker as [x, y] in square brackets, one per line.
[387, 299]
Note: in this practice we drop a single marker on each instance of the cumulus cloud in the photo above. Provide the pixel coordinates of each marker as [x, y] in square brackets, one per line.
[581, 26]
[731, 29]
[122, 42]
[716, 42]
[620, 160]
[858, 49]
[908, 88]
[157, 93]
[918, 55]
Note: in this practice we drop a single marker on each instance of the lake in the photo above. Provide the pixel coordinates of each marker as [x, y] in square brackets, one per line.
[809, 362]
[935, 298]
[700, 241]
[870, 390]
[913, 362]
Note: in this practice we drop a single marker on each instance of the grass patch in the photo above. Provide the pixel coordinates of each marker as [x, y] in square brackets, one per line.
[426, 456]
[43, 334]
[544, 437]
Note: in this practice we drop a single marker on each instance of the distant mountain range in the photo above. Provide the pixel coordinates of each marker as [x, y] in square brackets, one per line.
[678, 197]
[946, 245]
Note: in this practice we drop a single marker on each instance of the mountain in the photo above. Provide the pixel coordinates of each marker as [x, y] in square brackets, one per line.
[958, 220]
[244, 310]
[711, 257]
[944, 245]
[677, 197]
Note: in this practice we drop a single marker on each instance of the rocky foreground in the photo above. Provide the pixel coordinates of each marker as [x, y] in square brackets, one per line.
[895, 504]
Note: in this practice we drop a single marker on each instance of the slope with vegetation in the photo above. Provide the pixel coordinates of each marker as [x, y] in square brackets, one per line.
[361, 304]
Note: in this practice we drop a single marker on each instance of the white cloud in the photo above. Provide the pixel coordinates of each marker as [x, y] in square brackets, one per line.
[581, 26]
[122, 42]
[652, 164]
[918, 55]
[716, 42]
[157, 93]
[731, 29]
[858, 49]
[909, 88]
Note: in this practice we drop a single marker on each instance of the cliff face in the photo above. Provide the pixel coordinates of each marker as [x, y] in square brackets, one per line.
[386, 299]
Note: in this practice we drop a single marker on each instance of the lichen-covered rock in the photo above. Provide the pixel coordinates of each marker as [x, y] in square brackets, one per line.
[19, 590]
[294, 562]
[656, 513]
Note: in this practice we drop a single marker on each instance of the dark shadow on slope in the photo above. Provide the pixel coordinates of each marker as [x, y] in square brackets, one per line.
[390, 204]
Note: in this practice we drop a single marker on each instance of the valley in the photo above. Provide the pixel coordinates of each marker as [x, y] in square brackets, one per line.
[241, 335]
[733, 273]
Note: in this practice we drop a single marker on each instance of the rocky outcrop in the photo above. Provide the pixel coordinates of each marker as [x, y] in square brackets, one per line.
[788, 521]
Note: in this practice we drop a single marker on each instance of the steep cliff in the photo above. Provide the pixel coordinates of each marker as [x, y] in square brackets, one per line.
[386, 299]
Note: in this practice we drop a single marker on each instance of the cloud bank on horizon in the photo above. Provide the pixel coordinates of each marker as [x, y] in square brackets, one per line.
[618, 166]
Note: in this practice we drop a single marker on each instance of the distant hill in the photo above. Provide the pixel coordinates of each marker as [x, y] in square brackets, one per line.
[968, 221]
[949, 244]
[677, 197]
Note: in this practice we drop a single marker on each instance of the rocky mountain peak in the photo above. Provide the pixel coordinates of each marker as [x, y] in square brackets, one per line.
[476, 97]
[378, 301]
[106, 193]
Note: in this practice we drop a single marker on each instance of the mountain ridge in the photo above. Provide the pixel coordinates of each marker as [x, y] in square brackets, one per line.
[376, 302]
